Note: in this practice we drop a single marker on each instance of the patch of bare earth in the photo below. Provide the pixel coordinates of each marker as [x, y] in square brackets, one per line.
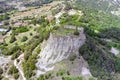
[1, 38]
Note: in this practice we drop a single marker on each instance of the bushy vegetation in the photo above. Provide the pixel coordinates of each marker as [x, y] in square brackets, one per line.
[20, 30]
[29, 66]
[13, 71]
[73, 57]
[5, 79]
[61, 72]
[69, 19]
[100, 60]
[13, 39]
[30, 58]
[1, 72]
[42, 77]
[25, 38]
[72, 78]
[1, 77]
[111, 34]
[15, 55]
[4, 17]
[76, 33]
[42, 21]
[45, 77]
[96, 52]
[16, 75]
[10, 51]
[98, 26]
[91, 79]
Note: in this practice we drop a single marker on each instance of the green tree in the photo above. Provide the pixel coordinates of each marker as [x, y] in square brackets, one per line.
[13, 70]
[24, 39]
[16, 75]
[13, 39]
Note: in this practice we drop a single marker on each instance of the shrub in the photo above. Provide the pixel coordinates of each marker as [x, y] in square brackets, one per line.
[72, 58]
[4, 17]
[20, 30]
[13, 70]
[60, 72]
[18, 60]
[15, 55]
[100, 60]
[1, 77]
[31, 34]
[68, 73]
[27, 67]
[26, 55]
[10, 51]
[42, 77]
[24, 39]
[47, 76]
[76, 32]
[16, 75]
[91, 79]
[13, 39]
[38, 49]
[72, 78]
[5, 79]
[1, 70]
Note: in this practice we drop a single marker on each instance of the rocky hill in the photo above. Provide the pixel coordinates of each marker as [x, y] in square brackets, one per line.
[64, 40]
[57, 48]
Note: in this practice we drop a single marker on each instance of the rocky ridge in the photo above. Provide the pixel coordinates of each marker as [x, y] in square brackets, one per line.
[58, 48]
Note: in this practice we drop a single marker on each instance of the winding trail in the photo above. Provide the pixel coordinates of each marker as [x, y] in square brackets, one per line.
[18, 66]
[58, 15]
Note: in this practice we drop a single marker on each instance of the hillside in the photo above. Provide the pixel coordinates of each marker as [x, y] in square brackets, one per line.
[104, 5]
[21, 5]
[60, 40]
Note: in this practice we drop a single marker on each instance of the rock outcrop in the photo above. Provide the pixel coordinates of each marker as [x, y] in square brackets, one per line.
[58, 48]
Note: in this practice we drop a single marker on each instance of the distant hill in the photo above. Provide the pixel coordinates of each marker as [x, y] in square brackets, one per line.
[8, 5]
[104, 5]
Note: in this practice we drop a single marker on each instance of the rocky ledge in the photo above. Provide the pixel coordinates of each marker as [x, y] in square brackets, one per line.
[58, 48]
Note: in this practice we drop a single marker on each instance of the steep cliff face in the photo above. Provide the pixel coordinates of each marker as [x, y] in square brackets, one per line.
[58, 48]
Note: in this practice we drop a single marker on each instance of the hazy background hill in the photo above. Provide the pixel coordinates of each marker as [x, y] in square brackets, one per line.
[8, 5]
[105, 5]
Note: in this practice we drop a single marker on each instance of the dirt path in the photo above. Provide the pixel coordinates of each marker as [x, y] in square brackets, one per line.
[18, 66]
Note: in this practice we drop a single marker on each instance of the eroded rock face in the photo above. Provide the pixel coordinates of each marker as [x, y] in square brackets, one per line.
[58, 48]
[4, 60]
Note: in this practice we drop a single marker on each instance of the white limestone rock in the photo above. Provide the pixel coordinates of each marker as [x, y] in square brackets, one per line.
[56, 49]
